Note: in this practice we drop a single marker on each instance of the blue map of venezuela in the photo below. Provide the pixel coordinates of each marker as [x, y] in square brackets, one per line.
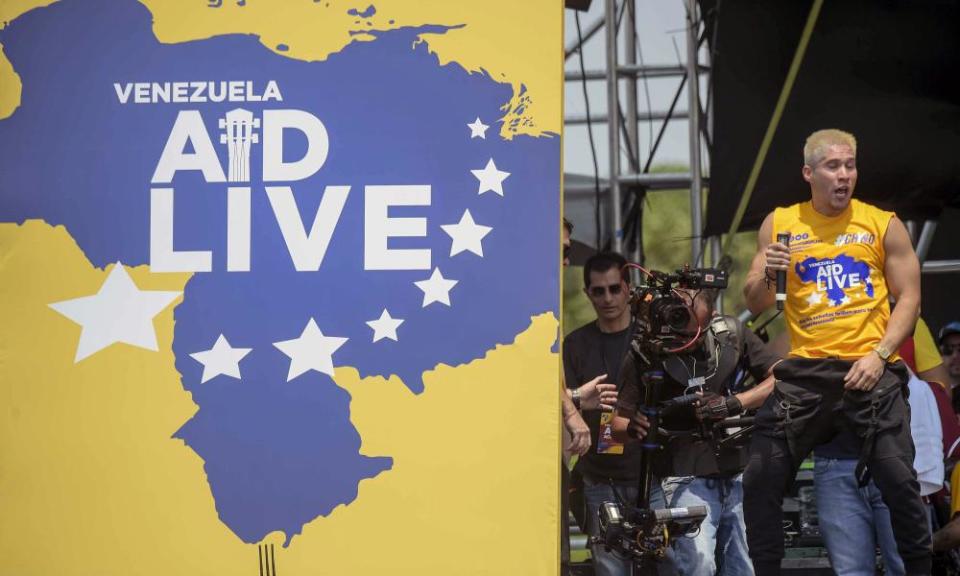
[836, 276]
[286, 257]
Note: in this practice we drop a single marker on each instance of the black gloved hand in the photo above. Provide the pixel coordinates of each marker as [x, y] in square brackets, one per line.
[713, 408]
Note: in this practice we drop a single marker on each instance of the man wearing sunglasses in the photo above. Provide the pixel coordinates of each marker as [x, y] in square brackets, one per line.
[592, 356]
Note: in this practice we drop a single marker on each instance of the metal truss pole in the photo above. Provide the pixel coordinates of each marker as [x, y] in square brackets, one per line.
[613, 126]
[911, 226]
[633, 126]
[715, 262]
[693, 112]
[926, 238]
[592, 29]
[630, 59]
[940, 266]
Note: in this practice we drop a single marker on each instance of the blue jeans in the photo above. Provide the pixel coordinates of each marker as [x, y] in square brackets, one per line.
[853, 520]
[722, 538]
[595, 492]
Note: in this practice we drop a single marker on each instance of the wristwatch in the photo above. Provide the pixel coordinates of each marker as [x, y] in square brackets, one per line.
[882, 351]
[575, 396]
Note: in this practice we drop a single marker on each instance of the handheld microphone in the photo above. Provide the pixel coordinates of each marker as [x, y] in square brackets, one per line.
[783, 238]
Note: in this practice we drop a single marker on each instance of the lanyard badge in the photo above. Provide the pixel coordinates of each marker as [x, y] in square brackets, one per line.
[605, 443]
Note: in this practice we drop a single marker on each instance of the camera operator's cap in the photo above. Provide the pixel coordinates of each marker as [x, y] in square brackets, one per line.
[947, 330]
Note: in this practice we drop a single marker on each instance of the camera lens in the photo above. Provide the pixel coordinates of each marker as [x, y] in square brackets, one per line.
[677, 317]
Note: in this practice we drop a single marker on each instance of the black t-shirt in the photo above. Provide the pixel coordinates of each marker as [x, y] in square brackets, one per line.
[718, 369]
[588, 353]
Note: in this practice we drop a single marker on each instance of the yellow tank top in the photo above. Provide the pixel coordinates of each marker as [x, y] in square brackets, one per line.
[836, 293]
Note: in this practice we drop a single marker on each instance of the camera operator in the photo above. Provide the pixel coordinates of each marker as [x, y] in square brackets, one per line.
[693, 468]
[592, 356]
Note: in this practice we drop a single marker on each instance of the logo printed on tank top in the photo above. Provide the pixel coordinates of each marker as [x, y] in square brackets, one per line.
[854, 238]
[840, 279]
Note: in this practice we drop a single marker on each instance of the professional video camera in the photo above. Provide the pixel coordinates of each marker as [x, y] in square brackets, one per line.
[663, 315]
[664, 325]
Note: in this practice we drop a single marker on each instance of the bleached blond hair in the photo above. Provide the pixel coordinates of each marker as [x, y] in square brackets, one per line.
[817, 143]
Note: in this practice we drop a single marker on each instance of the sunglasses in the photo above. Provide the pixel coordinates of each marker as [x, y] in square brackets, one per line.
[950, 350]
[599, 291]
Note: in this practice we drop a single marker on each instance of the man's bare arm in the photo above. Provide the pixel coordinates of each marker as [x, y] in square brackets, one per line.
[628, 427]
[597, 394]
[902, 272]
[576, 427]
[574, 424]
[756, 292]
[619, 429]
[754, 397]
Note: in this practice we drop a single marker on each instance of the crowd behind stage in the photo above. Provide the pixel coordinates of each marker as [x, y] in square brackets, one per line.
[857, 381]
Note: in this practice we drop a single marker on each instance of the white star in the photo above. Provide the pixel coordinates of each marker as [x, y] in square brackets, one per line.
[385, 326]
[221, 359]
[118, 312]
[311, 351]
[466, 235]
[845, 300]
[490, 178]
[814, 298]
[436, 289]
[478, 129]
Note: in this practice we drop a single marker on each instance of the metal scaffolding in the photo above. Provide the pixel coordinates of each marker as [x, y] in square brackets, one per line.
[631, 180]
[622, 120]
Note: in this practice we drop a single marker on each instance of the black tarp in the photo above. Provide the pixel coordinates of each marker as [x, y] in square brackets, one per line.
[887, 71]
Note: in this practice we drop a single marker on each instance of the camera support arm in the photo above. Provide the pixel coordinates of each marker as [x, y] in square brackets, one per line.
[652, 380]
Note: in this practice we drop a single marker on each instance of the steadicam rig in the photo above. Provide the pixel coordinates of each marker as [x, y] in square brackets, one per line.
[664, 324]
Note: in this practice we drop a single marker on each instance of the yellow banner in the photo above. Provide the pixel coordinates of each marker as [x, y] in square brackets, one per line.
[279, 287]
